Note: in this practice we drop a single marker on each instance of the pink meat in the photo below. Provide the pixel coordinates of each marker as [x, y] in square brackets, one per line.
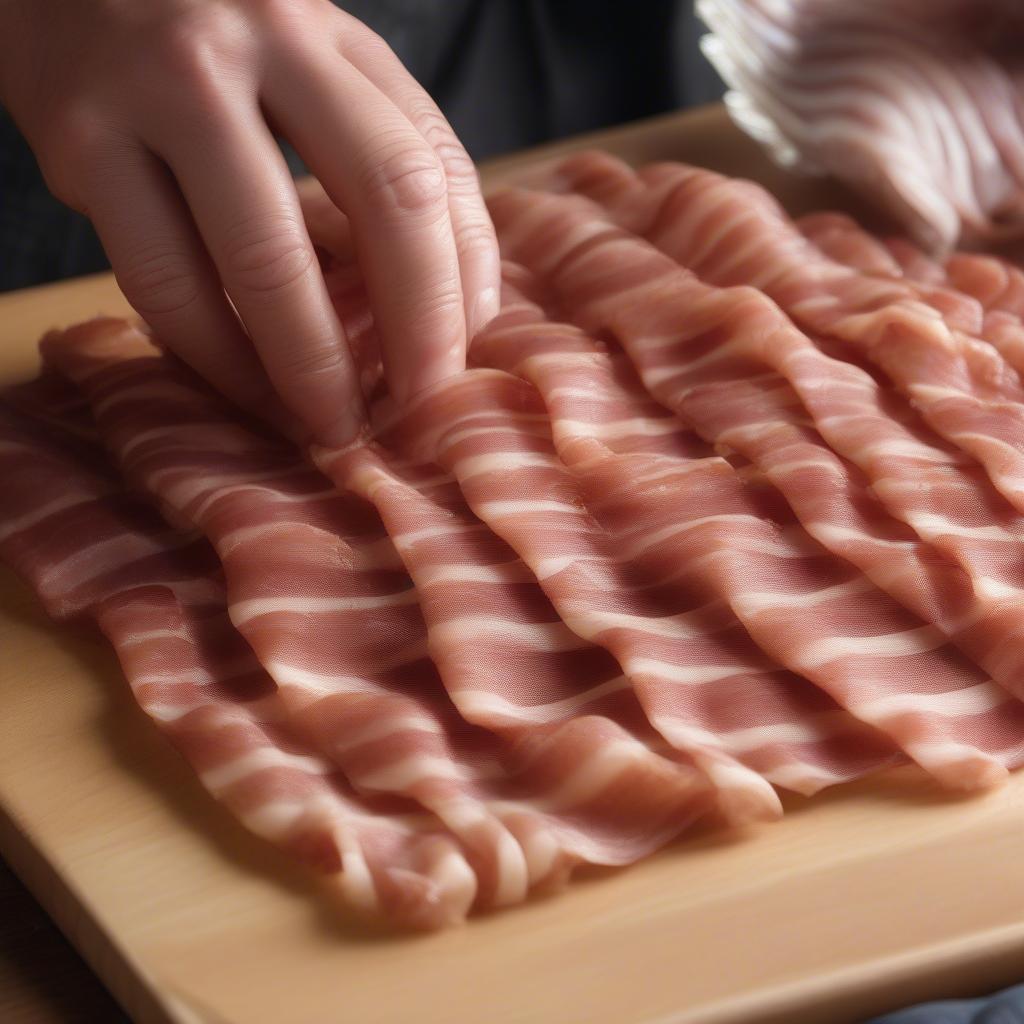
[90, 551]
[918, 104]
[774, 722]
[672, 325]
[297, 552]
[918, 477]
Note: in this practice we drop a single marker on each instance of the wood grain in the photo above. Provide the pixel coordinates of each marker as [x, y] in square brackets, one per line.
[880, 894]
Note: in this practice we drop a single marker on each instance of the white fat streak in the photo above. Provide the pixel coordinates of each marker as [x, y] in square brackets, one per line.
[972, 700]
[196, 675]
[159, 388]
[43, 512]
[655, 375]
[907, 449]
[995, 590]
[483, 705]
[457, 881]
[275, 818]
[518, 424]
[149, 635]
[259, 760]
[464, 817]
[107, 556]
[593, 775]
[284, 472]
[938, 754]
[399, 776]
[663, 471]
[648, 539]
[503, 462]
[404, 541]
[886, 645]
[263, 711]
[526, 507]
[936, 524]
[551, 637]
[594, 393]
[276, 497]
[193, 593]
[755, 431]
[498, 573]
[167, 433]
[545, 568]
[687, 675]
[746, 739]
[683, 626]
[638, 426]
[938, 392]
[384, 728]
[244, 611]
[754, 602]
[168, 712]
[803, 778]
[830, 533]
[322, 684]
[987, 441]
[825, 464]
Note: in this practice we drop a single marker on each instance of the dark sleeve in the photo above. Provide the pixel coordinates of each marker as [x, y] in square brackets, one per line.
[1006, 1007]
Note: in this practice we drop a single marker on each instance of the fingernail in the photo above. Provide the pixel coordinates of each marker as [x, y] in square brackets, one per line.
[485, 309]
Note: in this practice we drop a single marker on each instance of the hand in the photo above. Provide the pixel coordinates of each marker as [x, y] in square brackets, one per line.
[154, 119]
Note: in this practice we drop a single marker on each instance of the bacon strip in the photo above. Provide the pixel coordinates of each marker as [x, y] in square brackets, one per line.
[917, 477]
[669, 323]
[295, 553]
[918, 104]
[90, 551]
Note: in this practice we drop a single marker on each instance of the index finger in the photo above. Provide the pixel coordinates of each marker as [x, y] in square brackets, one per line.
[243, 199]
[379, 170]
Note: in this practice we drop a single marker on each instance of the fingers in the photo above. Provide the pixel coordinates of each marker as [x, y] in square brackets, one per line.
[329, 229]
[164, 271]
[378, 169]
[244, 203]
[479, 261]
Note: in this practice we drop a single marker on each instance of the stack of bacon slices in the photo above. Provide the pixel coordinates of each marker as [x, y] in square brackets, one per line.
[725, 505]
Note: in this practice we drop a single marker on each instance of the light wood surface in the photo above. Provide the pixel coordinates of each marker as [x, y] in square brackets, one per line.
[874, 896]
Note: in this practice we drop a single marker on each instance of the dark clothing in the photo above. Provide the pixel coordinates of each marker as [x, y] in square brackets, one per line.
[507, 73]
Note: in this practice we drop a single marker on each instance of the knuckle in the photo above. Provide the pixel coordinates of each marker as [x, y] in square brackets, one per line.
[159, 281]
[284, 19]
[442, 306]
[405, 179]
[476, 238]
[314, 362]
[458, 166]
[81, 132]
[196, 52]
[266, 255]
[367, 48]
[80, 148]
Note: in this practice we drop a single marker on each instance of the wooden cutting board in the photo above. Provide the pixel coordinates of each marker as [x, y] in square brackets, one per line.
[867, 898]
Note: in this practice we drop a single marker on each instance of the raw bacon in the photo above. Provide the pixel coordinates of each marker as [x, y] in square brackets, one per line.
[918, 104]
[706, 517]
[301, 558]
[678, 333]
[917, 477]
[91, 551]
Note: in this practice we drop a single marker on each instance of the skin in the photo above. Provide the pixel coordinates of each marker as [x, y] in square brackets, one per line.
[157, 120]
